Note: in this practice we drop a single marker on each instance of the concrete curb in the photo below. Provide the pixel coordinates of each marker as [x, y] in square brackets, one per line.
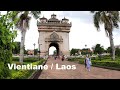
[37, 73]
[111, 68]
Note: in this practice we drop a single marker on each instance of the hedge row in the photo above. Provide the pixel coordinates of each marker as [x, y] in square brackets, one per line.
[30, 59]
[105, 62]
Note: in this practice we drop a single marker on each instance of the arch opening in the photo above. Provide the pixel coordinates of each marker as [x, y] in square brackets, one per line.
[52, 50]
[54, 46]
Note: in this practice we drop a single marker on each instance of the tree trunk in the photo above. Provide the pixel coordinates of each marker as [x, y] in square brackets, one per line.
[22, 46]
[112, 46]
[23, 32]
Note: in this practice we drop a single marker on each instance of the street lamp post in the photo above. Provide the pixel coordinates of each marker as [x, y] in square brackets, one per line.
[34, 49]
[86, 49]
[39, 51]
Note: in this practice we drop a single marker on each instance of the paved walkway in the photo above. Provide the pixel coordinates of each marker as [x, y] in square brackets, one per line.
[79, 73]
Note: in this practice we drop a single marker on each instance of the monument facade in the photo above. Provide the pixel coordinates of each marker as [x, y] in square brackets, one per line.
[54, 32]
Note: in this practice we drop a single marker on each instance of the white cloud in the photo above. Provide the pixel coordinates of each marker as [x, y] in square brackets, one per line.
[82, 30]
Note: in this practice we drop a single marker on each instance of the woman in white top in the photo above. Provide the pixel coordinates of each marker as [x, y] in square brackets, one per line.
[88, 62]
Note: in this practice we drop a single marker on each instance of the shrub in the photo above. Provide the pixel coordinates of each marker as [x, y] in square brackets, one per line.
[24, 74]
[106, 63]
[7, 35]
[117, 52]
[73, 59]
[93, 58]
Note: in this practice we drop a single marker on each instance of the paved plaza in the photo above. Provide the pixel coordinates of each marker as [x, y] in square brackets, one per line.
[79, 73]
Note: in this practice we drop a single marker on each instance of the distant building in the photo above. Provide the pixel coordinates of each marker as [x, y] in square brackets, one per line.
[30, 52]
[117, 46]
[87, 50]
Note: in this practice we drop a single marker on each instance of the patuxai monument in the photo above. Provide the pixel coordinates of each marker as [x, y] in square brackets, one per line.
[54, 32]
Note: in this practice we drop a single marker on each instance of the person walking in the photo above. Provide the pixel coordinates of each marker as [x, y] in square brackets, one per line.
[88, 62]
[63, 58]
[85, 62]
[55, 57]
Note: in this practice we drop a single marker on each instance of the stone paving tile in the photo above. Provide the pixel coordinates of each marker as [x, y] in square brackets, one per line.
[79, 73]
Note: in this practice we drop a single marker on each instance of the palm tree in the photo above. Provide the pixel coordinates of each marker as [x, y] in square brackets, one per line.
[110, 20]
[23, 25]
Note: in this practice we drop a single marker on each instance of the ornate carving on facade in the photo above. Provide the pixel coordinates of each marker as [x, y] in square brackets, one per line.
[54, 37]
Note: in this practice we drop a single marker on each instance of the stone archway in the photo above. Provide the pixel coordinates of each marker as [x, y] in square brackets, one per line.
[54, 40]
[53, 32]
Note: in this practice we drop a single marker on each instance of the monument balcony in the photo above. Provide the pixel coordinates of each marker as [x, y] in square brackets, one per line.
[56, 28]
[51, 30]
[54, 24]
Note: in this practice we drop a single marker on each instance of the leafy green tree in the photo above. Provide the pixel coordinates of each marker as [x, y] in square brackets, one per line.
[98, 49]
[74, 51]
[55, 52]
[7, 36]
[86, 51]
[36, 51]
[110, 20]
[109, 50]
[105, 51]
[16, 50]
[117, 52]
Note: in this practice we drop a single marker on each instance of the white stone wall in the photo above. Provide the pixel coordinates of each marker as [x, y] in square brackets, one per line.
[64, 46]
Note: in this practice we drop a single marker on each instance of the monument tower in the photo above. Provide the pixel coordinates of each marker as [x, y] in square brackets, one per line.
[54, 32]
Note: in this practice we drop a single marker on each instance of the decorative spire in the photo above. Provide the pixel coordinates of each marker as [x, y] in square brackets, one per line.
[64, 18]
[53, 16]
[43, 17]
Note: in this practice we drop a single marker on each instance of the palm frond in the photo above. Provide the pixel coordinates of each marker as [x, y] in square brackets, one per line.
[115, 18]
[106, 30]
[19, 24]
[36, 14]
[96, 18]
[92, 11]
[28, 22]
[24, 16]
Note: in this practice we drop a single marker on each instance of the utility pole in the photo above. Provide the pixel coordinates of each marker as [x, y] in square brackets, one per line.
[86, 48]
